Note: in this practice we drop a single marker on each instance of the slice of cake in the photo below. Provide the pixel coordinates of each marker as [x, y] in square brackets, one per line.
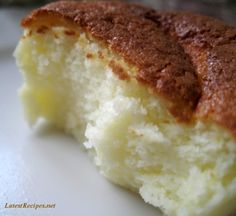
[152, 95]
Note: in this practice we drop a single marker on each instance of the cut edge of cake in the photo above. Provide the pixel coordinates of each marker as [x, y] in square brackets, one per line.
[84, 86]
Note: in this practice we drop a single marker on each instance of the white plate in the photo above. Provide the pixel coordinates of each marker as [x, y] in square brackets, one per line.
[42, 165]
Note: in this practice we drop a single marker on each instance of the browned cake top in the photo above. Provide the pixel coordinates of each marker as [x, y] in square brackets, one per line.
[188, 59]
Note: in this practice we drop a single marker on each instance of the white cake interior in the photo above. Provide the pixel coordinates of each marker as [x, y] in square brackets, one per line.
[186, 170]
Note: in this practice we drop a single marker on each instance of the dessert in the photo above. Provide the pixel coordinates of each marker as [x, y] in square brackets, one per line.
[151, 94]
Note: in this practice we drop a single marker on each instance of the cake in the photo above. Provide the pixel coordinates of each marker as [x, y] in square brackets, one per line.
[151, 95]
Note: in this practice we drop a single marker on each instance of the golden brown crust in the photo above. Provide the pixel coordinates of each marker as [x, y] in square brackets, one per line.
[211, 44]
[188, 59]
[118, 70]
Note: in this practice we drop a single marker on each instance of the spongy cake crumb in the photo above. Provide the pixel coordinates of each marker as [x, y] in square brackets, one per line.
[186, 170]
